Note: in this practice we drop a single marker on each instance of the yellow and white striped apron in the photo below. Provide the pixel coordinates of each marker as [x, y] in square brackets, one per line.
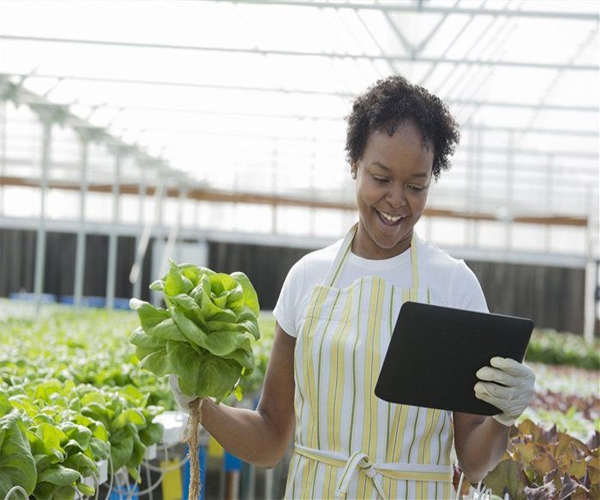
[348, 442]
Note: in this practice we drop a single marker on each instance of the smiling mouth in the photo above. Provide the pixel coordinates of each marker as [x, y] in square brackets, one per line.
[390, 219]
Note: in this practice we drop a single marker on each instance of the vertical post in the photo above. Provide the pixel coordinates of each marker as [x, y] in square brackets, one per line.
[81, 233]
[197, 214]
[549, 201]
[236, 190]
[477, 184]
[113, 236]
[170, 250]
[510, 181]
[159, 200]
[591, 271]
[40, 246]
[470, 189]
[313, 167]
[274, 229]
[232, 467]
[2, 153]
[269, 473]
[137, 284]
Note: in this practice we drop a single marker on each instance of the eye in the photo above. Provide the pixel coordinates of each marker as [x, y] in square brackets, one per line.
[416, 188]
[380, 180]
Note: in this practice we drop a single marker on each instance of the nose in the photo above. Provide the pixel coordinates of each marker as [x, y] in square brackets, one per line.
[396, 196]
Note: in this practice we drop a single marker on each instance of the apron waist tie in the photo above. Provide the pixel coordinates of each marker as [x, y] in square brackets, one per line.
[359, 460]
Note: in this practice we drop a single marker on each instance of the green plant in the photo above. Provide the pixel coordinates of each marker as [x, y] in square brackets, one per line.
[551, 347]
[16, 461]
[204, 335]
[69, 379]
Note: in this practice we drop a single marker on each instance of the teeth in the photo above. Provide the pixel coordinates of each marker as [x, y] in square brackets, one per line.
[391, 218]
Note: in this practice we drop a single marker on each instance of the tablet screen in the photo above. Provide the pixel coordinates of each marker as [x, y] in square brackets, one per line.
[435, 352]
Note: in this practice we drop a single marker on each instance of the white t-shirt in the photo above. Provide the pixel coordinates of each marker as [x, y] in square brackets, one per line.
[450, 281]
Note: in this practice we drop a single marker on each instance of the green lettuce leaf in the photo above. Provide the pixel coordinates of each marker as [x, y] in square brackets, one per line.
[16, 461]
[205, 335]
[59, 475]
[250, 296]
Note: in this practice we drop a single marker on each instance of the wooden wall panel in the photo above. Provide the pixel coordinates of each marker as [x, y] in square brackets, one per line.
[552, 296]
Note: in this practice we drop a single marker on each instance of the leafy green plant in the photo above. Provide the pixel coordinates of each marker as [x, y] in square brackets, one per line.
[129, 422]
[551, 347]
[16, 461]
[204, 335]
[70, 428]
[62, 444]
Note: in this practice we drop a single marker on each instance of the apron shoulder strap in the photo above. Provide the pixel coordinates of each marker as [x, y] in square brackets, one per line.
[342, 255]
[340, 258]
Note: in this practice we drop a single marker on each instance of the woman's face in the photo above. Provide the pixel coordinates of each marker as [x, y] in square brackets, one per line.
[392, 183]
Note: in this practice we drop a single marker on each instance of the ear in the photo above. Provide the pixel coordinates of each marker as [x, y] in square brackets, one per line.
[353, 169]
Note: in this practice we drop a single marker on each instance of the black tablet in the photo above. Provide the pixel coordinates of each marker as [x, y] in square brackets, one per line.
[435, 352]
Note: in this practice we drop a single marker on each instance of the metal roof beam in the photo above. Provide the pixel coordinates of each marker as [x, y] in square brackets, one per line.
[470, 126]
[348, 95]
[290, 53]
[428, 9]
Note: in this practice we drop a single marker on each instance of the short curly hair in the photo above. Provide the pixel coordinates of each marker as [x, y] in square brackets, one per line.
[393, 100]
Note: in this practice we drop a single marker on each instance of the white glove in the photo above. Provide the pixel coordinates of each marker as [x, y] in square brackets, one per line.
[183, 400]
[509, 386]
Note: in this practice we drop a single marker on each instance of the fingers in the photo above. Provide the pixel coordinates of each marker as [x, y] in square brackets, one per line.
[493, 391]
[506, 384]
[494, 375]
[506, 371]
[508, 365]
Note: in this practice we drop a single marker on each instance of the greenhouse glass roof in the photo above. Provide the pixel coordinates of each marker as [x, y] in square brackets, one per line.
[249, 97]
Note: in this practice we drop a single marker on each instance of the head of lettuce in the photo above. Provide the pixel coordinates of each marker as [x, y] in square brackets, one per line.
[204, 335]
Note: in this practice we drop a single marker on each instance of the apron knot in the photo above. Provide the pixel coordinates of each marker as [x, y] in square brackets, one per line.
[358, 461]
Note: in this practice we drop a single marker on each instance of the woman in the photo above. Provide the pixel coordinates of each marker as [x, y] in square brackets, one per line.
[335, 316]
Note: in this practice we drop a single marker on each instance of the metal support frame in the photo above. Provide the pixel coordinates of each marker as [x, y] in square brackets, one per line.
[291, 53]
[592, 278]
[144, 239]
[170, 250]
[136, 277]
[549, 200]
[274, 225]
[111, 271]
[3, 120]
[421, 8]
[80, 252]
[40, 246]
[290, 91]
[509, 196]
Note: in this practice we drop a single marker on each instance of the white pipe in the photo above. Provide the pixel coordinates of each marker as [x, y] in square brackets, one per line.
[113, 236]
[146, 232]
[172, 238]
[591, 272]
[137, 283]
[81, 233]
[40, 247]
[2, 153]
[269, 483]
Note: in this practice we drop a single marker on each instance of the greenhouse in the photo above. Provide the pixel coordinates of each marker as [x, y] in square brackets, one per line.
[164, 166]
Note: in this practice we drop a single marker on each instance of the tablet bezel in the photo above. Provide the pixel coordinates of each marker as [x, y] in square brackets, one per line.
[437, 350]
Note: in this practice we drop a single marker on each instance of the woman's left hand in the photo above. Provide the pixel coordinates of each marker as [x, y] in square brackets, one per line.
[508, 385]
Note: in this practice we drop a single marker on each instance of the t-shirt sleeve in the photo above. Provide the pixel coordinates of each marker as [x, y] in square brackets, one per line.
[287, 303]
[465, 290]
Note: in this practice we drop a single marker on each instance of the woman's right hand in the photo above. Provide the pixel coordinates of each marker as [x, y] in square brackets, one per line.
[183, 400]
